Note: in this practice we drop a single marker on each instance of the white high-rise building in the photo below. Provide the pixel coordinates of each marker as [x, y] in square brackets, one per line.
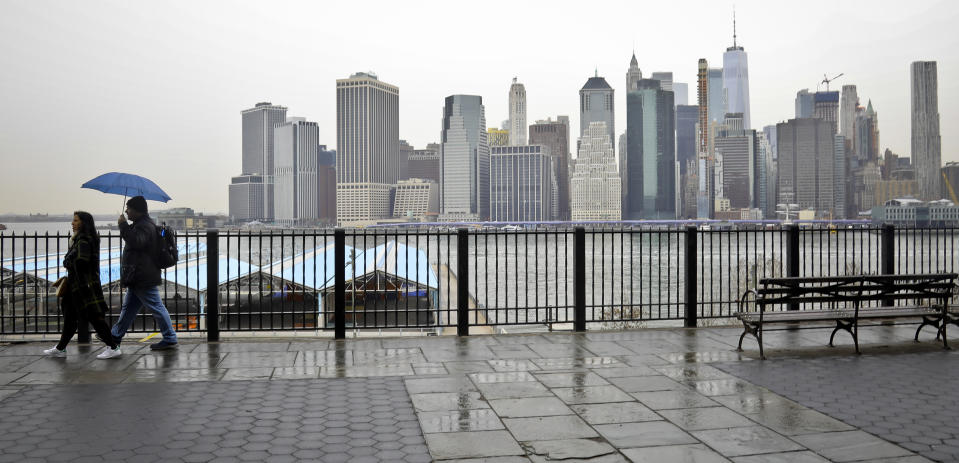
[247, 198]
[464, 160]
[736, 80]
[416, 198]
[595, 184]
[926, 140]
[295, 172]
[517, 114]
[368, 146]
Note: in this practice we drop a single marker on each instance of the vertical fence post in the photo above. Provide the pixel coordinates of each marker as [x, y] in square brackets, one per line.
[888, 249]
[339, 282]
[792, 256]
[212, 285]
[692, 260]
[579, 279]
[462, 283]
[888, 255]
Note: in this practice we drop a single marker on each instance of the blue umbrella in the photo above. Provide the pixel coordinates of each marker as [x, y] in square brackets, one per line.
[127, 185]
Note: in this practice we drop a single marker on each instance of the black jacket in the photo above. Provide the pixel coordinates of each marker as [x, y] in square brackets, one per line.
[138, 265]
[83, 283]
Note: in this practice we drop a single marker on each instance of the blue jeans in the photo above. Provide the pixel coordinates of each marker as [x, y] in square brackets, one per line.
[134, 300]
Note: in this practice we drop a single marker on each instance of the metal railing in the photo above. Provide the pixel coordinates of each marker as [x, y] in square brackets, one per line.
[445, 281]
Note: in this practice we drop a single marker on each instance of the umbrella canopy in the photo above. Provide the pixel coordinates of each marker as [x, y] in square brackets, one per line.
[127, 185]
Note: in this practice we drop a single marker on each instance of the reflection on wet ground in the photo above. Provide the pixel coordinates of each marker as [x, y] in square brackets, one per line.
[642, 396]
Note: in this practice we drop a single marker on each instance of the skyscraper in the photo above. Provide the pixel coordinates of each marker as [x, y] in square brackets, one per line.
[464, 160]
[804, 104]
[295, 173]
[406, 150]
[665, 80]
[865, 134]
[926, 141]
[521, 183]
[517, 114]
[497, 137]
[704, 195]
[736, 80]
[717, 103]
[826, 107]
[839, 179]
[847, 113]
[555, 136]
[650, 152]
[739, 149]
[806, 164]
[368, 147]
[681, 93]
[595, 183]
[633, 74]
[425, 163]
[247, 198]
[596, 105]
[686, 117]
[258, 124]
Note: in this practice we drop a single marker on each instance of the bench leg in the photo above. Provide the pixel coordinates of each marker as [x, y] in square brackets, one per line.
[926, 321]
[759, 337]
[945, 341]
[746, 330]
[833, 335]
[855, 336]
[840, 326]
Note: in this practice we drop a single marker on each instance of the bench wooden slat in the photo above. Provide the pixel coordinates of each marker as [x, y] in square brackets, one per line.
[847, 314]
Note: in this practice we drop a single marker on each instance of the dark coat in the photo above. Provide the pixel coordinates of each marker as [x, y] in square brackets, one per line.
[138, 268]
[83, 292]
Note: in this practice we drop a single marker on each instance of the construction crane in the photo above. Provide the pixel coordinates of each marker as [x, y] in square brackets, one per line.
[951, 191]
[826, 80]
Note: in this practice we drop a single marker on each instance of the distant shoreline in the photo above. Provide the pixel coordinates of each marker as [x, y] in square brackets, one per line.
[18, 218]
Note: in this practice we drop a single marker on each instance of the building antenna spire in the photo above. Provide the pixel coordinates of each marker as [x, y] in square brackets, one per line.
[734, 25]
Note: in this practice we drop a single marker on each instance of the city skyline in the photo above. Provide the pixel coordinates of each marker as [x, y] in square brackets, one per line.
[169, 92]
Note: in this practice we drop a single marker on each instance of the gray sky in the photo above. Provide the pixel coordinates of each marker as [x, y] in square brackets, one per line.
[156, 88]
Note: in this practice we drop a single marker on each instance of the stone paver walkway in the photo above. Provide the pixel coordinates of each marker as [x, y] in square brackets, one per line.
[906, 399]
[641, 396]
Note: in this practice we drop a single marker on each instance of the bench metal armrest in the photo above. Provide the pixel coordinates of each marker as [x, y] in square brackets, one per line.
[742, 299]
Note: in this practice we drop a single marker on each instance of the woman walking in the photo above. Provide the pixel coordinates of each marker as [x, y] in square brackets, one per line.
[83, 296]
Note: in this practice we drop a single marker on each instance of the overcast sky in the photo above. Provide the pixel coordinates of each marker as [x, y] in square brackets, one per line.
[156, 88]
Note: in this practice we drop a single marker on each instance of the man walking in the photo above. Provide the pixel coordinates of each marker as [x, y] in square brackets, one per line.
[140, 274]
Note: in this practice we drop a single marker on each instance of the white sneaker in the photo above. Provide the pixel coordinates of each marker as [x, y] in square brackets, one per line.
[54, 352]
[109, 353]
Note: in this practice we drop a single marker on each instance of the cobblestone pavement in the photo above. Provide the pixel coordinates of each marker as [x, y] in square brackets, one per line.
[908, 399]
[643, 396]
[336, 420]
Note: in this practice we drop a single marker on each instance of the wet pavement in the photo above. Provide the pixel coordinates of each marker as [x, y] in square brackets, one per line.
[654, 395]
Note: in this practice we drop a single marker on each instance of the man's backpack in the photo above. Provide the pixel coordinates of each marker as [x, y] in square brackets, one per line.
[167, 254]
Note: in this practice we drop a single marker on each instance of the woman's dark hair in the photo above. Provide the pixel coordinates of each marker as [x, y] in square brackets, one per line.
[87, 226]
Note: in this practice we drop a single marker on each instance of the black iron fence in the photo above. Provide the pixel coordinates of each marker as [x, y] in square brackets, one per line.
[449, 281]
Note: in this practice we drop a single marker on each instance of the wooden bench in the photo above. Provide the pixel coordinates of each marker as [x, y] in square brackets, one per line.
[846, 300]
